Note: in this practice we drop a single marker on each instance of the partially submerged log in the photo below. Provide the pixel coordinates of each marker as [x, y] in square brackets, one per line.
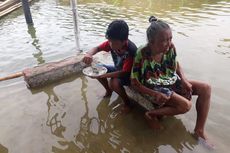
[47, 73]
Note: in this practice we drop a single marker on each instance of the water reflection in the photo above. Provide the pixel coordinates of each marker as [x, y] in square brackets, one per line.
[56, 107]
[55, 114]
[35, 43]
[111, 131]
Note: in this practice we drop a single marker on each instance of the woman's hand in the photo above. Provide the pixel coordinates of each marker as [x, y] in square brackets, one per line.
[187, 85]
[88, 58]
[187, 89]
[161, 98]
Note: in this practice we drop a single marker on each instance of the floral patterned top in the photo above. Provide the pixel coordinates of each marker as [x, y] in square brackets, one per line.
[151, 73]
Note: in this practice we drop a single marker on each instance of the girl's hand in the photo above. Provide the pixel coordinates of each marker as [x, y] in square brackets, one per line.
[87, 59]
[98, 77]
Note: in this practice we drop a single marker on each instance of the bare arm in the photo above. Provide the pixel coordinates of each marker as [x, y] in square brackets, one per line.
[88, 58]
[115, 74]
[185, 83]
[180, 72]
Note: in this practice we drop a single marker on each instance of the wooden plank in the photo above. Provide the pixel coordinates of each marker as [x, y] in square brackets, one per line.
[9, 6]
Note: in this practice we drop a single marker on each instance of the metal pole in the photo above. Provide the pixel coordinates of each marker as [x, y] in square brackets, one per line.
[26, 9]
[75, 20]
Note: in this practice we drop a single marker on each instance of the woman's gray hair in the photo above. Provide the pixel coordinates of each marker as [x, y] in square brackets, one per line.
[155, 27]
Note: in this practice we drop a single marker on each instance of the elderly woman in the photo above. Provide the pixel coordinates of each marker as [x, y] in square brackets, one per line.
[157, 73]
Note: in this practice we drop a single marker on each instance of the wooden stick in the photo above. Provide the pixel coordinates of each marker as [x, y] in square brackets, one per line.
[12, 76]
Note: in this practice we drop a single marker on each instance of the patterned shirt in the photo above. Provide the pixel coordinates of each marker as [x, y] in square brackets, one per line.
[151, 73]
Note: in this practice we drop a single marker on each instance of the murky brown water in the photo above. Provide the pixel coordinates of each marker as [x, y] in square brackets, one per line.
[71, 116]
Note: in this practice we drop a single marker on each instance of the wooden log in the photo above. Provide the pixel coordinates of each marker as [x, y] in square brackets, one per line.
[49, 72]
[43, 74]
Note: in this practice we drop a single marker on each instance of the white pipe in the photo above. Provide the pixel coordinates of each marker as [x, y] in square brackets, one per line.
[75, 20]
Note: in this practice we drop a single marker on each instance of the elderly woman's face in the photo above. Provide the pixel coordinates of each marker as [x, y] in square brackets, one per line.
[162, 41]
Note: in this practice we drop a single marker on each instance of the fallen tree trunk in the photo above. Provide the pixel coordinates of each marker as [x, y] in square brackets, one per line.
[47, 73]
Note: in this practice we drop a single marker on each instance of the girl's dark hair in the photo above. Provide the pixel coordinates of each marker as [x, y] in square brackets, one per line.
[155, 27]
[117, 30]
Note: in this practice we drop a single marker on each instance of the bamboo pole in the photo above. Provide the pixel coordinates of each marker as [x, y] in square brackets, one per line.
[12, 76]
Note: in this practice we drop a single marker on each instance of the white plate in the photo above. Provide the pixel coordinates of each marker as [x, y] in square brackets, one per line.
[94, 71]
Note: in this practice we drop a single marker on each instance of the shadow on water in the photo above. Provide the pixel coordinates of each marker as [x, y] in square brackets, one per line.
[110, 130]
[3, 149]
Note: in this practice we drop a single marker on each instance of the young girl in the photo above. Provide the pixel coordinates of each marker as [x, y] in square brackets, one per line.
[157, 73]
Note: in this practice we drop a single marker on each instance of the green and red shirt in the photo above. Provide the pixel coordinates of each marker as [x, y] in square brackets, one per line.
[151, 73]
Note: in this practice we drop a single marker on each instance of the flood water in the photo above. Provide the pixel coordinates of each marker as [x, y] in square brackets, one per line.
[71, 116]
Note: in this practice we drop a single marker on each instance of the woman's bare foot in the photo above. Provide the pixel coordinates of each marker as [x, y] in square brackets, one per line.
[153, 121]
[198, 133]
[202, 139]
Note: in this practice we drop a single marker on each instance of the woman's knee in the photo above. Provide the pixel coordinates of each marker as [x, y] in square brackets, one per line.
[183, 105]
[201, 88]
[206, 90]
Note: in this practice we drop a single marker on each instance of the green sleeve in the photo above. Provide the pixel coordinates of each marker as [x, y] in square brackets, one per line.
[136, 69]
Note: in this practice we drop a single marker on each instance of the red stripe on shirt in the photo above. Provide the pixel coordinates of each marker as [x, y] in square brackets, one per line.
[105, 46]
[128, 63]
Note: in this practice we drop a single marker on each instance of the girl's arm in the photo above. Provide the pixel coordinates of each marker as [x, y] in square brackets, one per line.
[115, 74]
[88, 58]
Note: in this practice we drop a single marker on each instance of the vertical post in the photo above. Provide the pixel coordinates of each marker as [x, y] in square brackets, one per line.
[26, 9]
[75, 20]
